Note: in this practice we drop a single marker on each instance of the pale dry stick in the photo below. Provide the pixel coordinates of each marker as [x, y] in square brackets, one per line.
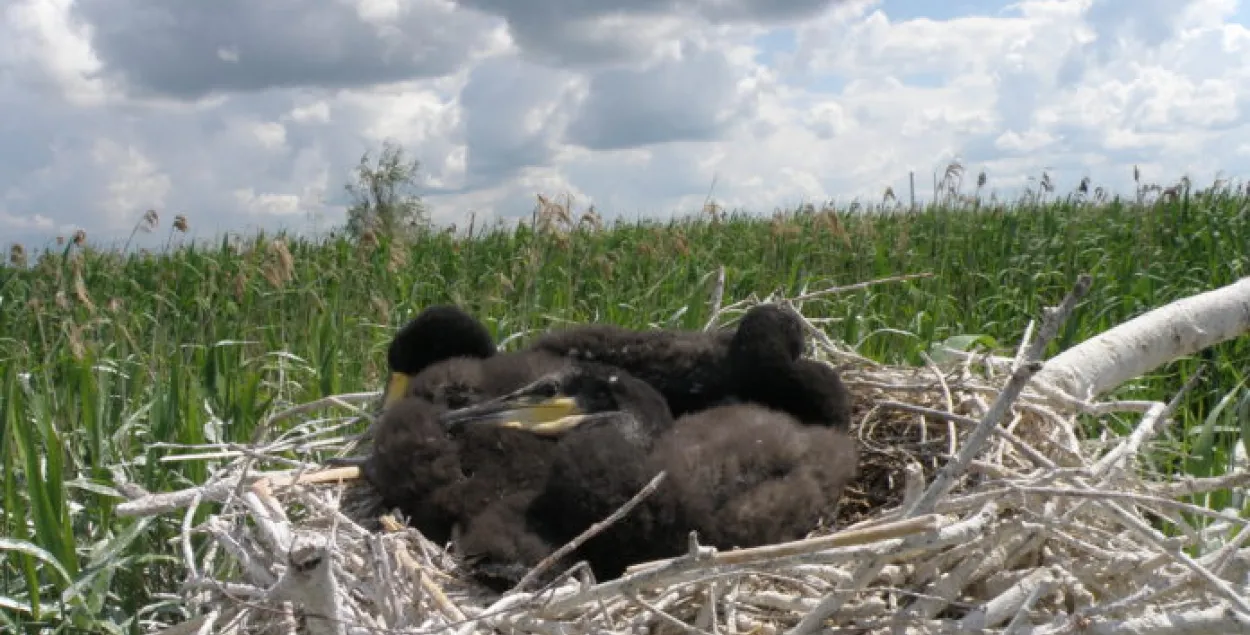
[938, 564]
[188, 554]
[995, 470]
[859, 286]
[235, 589]
[1154, 590]
[1147, 428]
[1053, 528]
[852, 381]
[1014, 601]
[1137, 499]
[505, 604]
[311, 428]
[665, 602]
[1038, 591]
[1215, 619]
[940, 594]
[217, 491]
[345, 400]
[1149, 534]
[1189, 485]
[832, 348]
[706, 617]
[731, 605]
[844, 538]
[779, 601]
[221, 454]
[590, 532]
[289, 479]
[331, 509]
[524, 623]
[1062, 428]
[682, 570]
[208, 563]
[386, 592]
[239, 451]
[718, 294]
[1224, 555]
[444, 604]
[665, 616]
[951, 436]
[1151, 593]
[273, 533]
[249, 562]
[1029, 364]
[740, 305]
[957, 505]
[913, 482]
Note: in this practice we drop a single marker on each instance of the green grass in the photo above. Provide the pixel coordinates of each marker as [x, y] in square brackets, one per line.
[102, 354]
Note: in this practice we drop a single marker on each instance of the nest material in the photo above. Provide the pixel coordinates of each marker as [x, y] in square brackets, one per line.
[1037, 532]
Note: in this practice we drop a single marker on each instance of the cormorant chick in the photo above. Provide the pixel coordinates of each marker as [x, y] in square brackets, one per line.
[440, 472]
[438, 333]
[414, 465]
[746, 475]
[604, 420]
[693, 370]
[741, 475]
[473, 467]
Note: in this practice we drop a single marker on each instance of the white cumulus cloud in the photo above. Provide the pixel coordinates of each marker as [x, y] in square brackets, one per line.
[246, 114]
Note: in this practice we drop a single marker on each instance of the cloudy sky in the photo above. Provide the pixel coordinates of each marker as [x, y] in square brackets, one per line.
[246, 113]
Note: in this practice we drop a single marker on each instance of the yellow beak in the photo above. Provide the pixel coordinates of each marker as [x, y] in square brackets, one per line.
[395, 389]
[551, 416]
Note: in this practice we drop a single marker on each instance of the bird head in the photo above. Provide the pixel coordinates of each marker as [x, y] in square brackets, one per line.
[438, 333]
[580, 394]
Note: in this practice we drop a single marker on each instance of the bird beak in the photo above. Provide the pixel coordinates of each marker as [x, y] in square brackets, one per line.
[395, 389]
[521, 410]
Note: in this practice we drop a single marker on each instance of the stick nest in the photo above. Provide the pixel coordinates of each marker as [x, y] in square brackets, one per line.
[1040, 531]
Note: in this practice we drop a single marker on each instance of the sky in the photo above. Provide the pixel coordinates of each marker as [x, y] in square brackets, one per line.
[246, 114]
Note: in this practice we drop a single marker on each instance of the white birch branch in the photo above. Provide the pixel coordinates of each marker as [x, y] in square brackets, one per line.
[1150, 340]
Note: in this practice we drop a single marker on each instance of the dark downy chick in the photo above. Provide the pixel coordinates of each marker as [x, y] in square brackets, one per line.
[413, 464]
[605, 422]
[693, 370]
[745, 475]
[438, 333]
[494, 460]
[489, 462]
[741, 475]
[498, 548]
[768, 370]
[811, 391]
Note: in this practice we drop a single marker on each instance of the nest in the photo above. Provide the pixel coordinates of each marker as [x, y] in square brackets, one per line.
[979, 508]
